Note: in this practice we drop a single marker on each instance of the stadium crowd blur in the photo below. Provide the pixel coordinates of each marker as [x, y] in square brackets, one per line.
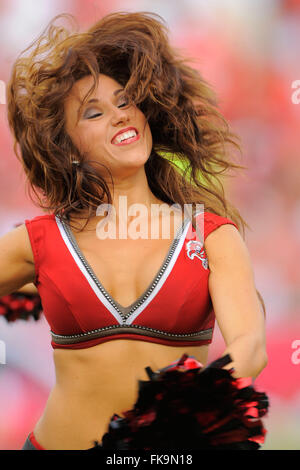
[249, 52]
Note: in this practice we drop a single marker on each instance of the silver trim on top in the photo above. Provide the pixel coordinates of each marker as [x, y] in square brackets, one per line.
[141, 303]
[131, 329]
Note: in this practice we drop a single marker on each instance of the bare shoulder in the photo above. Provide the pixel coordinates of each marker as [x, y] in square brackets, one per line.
[16, 242]
[16, 260]
[225, 246]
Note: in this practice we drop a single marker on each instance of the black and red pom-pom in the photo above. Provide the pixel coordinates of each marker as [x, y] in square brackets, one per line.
[186, 406]
[20, 306]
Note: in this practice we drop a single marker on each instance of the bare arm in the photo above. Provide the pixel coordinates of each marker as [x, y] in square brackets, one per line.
[235, 301]
[28, 289]
[16, 261]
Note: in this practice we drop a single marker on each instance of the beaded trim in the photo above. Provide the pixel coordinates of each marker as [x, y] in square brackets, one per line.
[146, 294]
[131, 329]
[128, 328]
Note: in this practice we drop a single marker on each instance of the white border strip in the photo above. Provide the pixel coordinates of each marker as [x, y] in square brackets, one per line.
[98, 292]
[86, 274]
[163, 277]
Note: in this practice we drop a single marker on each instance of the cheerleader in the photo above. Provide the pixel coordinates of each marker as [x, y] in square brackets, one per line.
[118, 135]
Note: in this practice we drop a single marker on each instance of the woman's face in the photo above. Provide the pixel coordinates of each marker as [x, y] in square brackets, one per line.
[106, 114]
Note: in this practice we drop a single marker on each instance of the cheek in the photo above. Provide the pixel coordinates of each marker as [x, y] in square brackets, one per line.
[88, 138]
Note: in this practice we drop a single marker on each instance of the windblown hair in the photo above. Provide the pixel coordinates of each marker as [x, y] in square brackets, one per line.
[179, 105]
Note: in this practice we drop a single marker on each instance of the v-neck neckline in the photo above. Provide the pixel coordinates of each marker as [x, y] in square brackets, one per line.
[118, 310]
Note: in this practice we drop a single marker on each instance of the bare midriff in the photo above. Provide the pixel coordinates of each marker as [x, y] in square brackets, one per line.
[94, 383]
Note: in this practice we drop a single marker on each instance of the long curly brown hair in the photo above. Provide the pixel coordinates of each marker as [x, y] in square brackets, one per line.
[180, 106]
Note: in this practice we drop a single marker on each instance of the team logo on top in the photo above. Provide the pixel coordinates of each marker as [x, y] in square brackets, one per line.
[195, 250]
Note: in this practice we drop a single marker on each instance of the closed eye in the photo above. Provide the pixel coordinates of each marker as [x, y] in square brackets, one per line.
[99, 114]
[94, 115]
[123, 104]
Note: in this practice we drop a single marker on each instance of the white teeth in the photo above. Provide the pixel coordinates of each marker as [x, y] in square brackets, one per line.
[124, 136]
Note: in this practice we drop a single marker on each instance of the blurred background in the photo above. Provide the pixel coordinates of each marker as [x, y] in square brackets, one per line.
[249, 51]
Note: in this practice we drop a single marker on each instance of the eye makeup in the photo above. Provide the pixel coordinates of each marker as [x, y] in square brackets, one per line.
[86, 113]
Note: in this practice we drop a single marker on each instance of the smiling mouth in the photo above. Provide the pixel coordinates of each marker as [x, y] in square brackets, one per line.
[126, 137]
[128, 141]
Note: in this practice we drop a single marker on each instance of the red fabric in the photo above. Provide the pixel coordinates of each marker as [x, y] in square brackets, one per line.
[35, 442]
[70, 305]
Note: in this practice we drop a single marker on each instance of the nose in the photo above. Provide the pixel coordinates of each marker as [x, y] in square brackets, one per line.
[119, 115]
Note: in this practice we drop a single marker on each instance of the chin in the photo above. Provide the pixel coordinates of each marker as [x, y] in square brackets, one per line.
[136, 162]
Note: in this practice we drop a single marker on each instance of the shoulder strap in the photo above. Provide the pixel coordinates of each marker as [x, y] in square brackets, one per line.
[213, 221]
[206, 222]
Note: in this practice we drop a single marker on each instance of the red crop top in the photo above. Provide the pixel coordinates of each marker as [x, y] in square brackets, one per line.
[175, 309]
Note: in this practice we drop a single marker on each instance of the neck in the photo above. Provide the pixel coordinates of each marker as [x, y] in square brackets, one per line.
[131, 197]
